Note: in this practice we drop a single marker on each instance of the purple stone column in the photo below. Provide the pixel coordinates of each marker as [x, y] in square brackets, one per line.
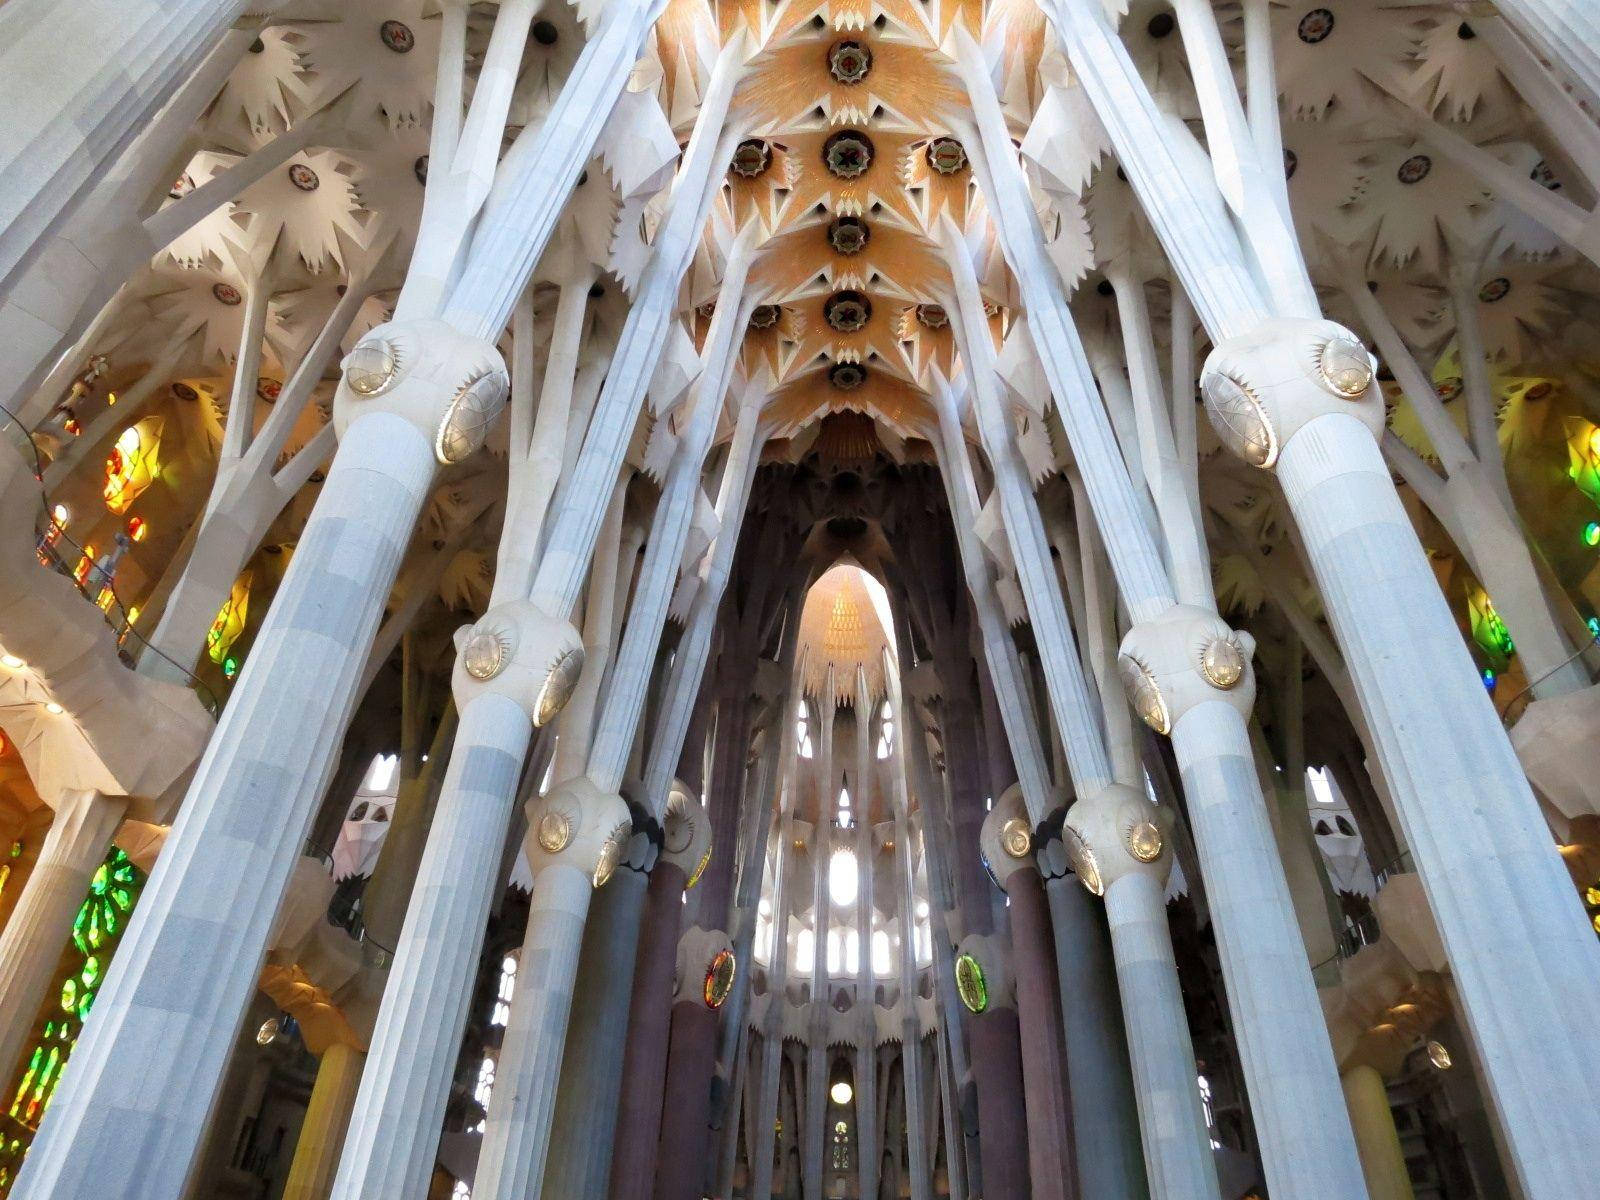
[644, 1062]
[1002, 1116]
[1044, 1067]
[685, 1121]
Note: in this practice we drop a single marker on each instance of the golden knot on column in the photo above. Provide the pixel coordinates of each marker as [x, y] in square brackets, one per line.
[1263, 387]
[1183, 658]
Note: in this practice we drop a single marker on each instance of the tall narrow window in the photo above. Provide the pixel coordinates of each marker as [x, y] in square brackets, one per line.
[843, 809]
[504, 991]
[885, 731]
[802, 731]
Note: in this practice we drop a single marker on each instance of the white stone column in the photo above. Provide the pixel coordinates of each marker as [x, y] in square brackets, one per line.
[1171, 1121]
[583, 1121]
[394, 1130]
[40, 924]
[77, 83]
[1316, 1153]
[761, 1150]
[1298, 397]
[516, 1137]
[1105, 1115]
[1567, 32]
[919, 1163]
[1521, 952]
[866, 1089]
[187, 966]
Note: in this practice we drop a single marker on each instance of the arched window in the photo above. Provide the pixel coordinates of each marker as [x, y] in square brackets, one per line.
[843, 810]
[805, 951]
[1345, 827]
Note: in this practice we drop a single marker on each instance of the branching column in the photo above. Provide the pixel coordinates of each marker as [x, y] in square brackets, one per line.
[1306, 1146]
[1297, 396]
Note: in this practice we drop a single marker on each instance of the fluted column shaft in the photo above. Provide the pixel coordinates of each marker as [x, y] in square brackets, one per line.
[1521, 953]
[579, 1166]
[333, 1098]
[644, 1060]
[188, 964]
[69, 115]
[1044, 1071]
[31, 944]
[681, 1159]
[1002, 1115]
[1171, 1123]
[1105, 1117]
[1567, 32]
[394, 1130]
[1377, 1141]
[517, 1137]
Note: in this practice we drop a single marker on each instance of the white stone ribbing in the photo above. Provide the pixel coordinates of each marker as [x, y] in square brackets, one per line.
[542, 168]
[576, 518]
[70, 114]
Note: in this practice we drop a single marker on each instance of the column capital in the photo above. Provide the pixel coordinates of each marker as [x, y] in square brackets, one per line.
[450, 385]
[686, 833]
[1115, 833]
[1006, 839]
[518, 651]
[1263, 387]
[1182, 659]
[575, 824]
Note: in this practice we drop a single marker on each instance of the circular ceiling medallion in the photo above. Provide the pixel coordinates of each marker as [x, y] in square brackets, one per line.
[847, 154]
[947, 156]
[1161, 25]
[1543, 176]
[226, 293]
[847, 376]
[849, 62]
[752, 158]
[848, 235]
[719, 979]
[269, 390]
[1315, 26]
[184, 392]
[764, 316]
[1495, 290]
[933, 316]
[847, 312]
[303, 177]
[420, 170]
[1415, 169]
[1448, 388]
[181, 187]
[545, 33]
[971, 985]
[1291, 163]
[397, 36]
